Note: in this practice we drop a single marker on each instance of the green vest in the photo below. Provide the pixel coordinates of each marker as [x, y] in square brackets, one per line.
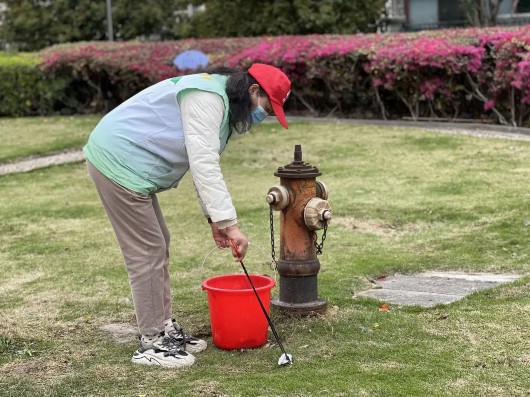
[140, 144]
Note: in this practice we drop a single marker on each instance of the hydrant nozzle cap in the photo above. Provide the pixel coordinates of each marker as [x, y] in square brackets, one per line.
[317, 213]
[278, 197]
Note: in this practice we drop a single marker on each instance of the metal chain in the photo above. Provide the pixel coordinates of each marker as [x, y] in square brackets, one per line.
[273, 251]
[320, 246]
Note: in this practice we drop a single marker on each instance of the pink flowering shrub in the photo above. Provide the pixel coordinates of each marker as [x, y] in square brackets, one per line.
[103, 74]
[502, 80]
[459, 73]
[303, 58]
[521, 80]
[424, 74]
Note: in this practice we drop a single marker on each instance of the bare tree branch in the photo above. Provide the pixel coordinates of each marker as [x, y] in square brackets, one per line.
[479, 95]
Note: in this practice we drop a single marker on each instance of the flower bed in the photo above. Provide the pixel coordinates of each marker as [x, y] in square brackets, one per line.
[103, 74]
[479, 74]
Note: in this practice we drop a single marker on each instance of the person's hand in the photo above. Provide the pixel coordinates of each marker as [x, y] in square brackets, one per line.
[221, 240]
[233, 233]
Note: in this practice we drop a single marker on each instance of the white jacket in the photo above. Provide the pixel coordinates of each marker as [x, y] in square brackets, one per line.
[202, 114]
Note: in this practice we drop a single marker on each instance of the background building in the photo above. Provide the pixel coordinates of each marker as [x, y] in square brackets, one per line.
[434, 14]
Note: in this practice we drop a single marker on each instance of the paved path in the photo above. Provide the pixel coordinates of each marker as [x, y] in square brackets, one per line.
[433, 288]
[33, 163]
[480, 130]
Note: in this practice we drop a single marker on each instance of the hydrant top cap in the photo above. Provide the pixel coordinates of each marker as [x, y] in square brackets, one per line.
[302, 170]
[298, 168]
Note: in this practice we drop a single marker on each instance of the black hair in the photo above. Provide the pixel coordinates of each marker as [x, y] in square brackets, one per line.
[238, 97]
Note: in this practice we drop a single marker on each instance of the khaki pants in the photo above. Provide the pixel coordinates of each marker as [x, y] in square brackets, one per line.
[144, 241]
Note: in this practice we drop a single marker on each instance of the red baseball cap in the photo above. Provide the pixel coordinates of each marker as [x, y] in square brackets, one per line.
[277, 86]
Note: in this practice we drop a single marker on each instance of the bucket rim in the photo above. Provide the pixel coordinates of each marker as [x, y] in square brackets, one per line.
[271, 283]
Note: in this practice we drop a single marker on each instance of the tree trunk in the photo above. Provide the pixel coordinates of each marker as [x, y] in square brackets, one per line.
[483, 12]
[494, 10]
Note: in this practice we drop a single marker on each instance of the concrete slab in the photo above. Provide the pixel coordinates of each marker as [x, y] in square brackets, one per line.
[493, 277]
[435, 285]
[411, 298]
[433, 288]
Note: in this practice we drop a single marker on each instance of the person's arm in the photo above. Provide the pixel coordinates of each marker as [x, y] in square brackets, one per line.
[202, 115]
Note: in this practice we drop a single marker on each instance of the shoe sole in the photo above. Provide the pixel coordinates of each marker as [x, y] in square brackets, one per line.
[145, 359]
[193, 349]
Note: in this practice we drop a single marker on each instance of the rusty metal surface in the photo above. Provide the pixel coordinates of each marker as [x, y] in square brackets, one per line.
[296, 240]
[298, 265]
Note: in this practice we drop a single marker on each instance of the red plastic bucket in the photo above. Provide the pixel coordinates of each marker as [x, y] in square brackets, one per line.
[236, 317]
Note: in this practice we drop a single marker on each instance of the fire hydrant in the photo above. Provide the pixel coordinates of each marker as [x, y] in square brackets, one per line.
[302, 201]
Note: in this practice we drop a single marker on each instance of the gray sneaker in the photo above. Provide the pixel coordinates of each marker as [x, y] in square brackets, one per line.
[162, 352]
[184, 341]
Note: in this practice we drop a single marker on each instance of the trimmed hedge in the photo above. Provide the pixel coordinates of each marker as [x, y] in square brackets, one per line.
[480, 74]
[104, 74]
[25, 90]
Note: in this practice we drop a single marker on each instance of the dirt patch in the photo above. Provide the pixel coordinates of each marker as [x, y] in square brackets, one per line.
[121, 333]
[369, 226]
[377, 227]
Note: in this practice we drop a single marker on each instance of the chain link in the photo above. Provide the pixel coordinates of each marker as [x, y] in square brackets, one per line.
[273, 251]
[320, 246]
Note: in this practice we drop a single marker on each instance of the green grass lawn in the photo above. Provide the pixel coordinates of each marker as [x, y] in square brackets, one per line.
[403, 201]
[24, 137]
